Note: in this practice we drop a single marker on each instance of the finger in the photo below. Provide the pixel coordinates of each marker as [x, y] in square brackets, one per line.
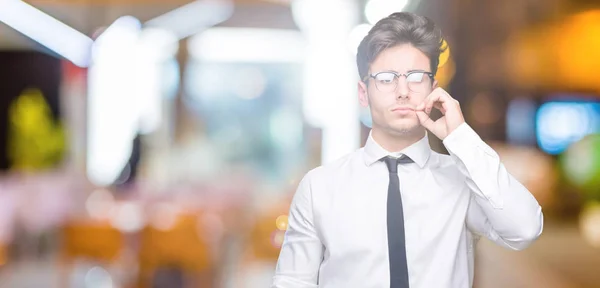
[446, 100]
[436, 99]
[440, 107]
[431, 100]
[451, 105]
[421, 106]
[443, 93]
[424, 103]
[425, 120]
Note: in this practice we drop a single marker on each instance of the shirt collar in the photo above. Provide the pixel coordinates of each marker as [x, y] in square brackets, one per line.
[419, 151]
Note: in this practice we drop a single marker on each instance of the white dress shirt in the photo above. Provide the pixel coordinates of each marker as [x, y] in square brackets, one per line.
[337, 232]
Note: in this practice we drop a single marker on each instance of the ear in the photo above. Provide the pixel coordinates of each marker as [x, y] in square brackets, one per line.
[363, 94]
[435, 85]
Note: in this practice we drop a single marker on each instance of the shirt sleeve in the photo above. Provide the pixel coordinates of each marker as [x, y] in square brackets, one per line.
[501, 209]
[302, 250]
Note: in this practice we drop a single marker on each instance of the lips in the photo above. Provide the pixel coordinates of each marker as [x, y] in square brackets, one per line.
[402, 109]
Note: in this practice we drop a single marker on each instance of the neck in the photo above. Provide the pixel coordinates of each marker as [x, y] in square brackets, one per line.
[395, 142]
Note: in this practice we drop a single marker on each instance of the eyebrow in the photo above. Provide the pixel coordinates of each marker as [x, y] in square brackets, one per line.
[415, 70]
[394, 71]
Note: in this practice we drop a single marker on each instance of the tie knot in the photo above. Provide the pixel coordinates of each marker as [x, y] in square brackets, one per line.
[392, 163]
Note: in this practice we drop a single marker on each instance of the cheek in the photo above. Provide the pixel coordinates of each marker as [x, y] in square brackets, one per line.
[379, 100]
[378, 105]
[417, 99]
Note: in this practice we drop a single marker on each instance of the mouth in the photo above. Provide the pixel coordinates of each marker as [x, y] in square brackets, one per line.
[403, 109]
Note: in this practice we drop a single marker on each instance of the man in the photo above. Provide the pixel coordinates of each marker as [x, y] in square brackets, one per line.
[394, 213]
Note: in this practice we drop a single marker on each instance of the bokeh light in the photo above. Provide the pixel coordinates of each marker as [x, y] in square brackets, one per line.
[356, 36]
[282, 222]
[99, 204]
[376, 10]
[581, 165]
[559, 124]
[589, 223]
[277, 238]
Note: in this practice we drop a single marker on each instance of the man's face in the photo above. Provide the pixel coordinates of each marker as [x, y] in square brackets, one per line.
[392, 105]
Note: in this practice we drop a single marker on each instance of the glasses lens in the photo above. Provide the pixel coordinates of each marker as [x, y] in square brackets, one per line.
[385, 81]
[418, 82]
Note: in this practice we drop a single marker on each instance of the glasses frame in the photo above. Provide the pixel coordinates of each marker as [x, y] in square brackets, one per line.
[397, 77]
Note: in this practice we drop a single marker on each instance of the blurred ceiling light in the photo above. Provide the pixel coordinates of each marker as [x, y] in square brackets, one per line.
[324, 18]
[158, 43]
[124, 32]
[46, 30]
[194, 17]
[375, 10]
[113, 105]
[252, 45]
[358, 33]
[327, 25]
[155, 48]
[125, 86]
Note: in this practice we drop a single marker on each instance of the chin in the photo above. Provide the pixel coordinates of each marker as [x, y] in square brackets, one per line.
[405, 125]
[404, 129]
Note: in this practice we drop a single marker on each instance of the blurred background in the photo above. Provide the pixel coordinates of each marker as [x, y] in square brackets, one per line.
[148, 143]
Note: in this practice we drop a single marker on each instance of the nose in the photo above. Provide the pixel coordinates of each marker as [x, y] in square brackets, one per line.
[402, 90]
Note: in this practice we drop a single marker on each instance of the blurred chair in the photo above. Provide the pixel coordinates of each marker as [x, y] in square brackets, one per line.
[180, 248]
[89, 240]
[262, 247]
[268, 230]
[3, 254]
[266, 239]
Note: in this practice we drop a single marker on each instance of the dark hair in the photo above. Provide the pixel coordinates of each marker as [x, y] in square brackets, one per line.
[400, 28]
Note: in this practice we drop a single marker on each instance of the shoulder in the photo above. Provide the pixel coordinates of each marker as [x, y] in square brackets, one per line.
[444, 165]
[439, 160]
[332, 170]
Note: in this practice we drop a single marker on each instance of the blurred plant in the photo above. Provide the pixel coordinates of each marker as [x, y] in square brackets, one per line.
[581, 166]
[35, 140]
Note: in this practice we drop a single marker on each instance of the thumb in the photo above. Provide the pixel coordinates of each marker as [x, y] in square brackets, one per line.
[424, 119]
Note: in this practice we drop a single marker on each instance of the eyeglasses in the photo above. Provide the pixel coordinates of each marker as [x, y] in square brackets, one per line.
[387, 82]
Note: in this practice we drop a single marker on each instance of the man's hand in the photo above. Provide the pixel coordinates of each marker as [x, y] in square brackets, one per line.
[449, 107]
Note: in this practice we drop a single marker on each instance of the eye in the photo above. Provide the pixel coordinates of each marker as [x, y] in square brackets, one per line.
[385, 78]
[415, 77]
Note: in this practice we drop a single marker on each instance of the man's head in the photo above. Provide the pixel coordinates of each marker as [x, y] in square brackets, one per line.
[391, 60]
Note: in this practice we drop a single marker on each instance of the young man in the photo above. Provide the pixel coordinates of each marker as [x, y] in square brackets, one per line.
[395, 213]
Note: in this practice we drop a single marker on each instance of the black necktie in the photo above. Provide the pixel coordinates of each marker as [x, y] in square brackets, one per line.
[395, 225]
